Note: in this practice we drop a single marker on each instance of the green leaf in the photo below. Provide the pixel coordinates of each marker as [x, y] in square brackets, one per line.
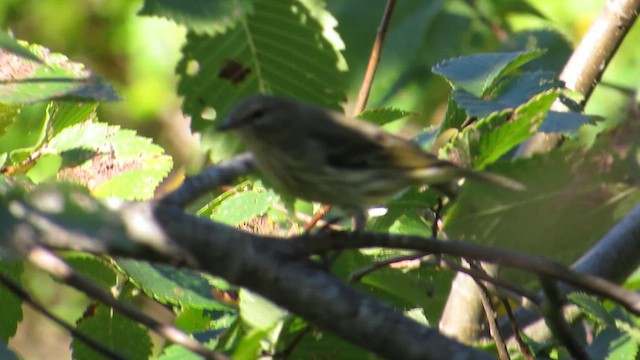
[8, 115]
[177, 352]
[317, 345]
[243, 207]
[478, 73]
[512, 93]
[57, 78]
[381, 116]
[410, 204]
[564, 122]
[200, 16]
[11, 309]
[455, 116]
[191, 319]
[592, 307]
[66, 114]
[424, 287]
[572, 199]
[172, 286]
[258, 312]
[492, 137]
[114, 331]
[282, 48]
[110, 161]
[8, 43]
[611, 344]
[93, 268]
[45, 169]
[27, 131]
[249, 345]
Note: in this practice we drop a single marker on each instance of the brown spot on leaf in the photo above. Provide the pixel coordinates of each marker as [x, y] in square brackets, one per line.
[233, 71]
[100, 168]
[14, 67]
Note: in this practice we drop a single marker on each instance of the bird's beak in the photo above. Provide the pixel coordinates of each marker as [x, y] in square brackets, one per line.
[227, 124]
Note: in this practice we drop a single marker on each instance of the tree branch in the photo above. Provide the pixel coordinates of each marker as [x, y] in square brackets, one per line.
[269, 266]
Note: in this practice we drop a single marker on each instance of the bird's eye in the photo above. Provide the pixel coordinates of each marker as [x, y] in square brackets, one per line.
[256, 114]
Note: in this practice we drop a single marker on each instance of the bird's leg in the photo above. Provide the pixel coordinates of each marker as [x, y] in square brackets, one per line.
[359, 220]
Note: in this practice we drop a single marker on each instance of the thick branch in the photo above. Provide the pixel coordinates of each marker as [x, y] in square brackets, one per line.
[269, 266]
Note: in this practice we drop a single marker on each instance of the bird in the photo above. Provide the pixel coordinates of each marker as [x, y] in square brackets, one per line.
[322, 155]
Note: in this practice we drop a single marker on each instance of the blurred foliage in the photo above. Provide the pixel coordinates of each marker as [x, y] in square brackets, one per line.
[468, 79]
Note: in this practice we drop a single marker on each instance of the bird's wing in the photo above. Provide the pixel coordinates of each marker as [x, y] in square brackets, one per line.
[350, 143]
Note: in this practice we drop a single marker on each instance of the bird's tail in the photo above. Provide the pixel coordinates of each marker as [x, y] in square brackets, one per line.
[444, 172]
[492, 178]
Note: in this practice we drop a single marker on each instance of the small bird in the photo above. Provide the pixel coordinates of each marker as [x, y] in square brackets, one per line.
[322, 155]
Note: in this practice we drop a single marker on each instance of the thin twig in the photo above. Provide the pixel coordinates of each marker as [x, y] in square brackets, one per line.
[524, 349]
[26, 297]
[321, 243]
[52, 264]
[501, 283]
[317, 217]
[360, 273]
[490, 314]
[555, 320]
[501, 34]
[374, 59]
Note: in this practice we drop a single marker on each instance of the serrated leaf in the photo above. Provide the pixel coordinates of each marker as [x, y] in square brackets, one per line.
[9, 44]
[478, 73]
[592, 307]
[172, 286]
[381, 116]
[200, 16]
[492, 137]
[66, 114]
[93, 268]
[110, 161]
[564, 122]
[23, 81]
[476, 106]
[517, 90]
[114, 331]
[243, 206]
[512, 93]
[280, 49]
